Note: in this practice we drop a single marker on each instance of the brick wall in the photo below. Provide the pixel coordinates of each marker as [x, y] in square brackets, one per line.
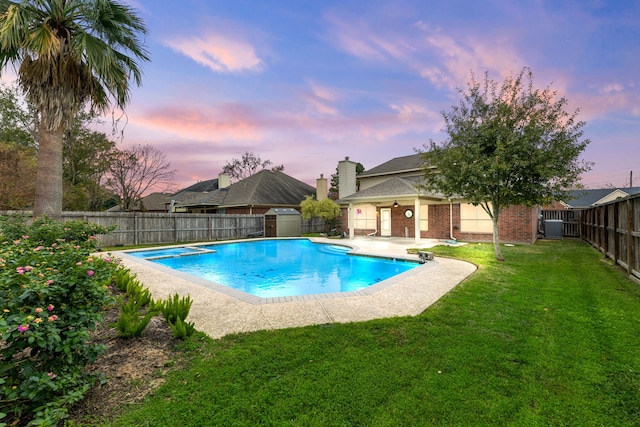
[518, 224]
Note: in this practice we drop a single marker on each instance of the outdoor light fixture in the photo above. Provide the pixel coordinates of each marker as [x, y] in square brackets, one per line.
[395, 204]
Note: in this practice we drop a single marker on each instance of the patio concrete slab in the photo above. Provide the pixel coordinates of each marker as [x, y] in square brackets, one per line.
[218, 312]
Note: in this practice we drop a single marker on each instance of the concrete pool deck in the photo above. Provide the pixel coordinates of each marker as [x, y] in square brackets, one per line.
[218, 313]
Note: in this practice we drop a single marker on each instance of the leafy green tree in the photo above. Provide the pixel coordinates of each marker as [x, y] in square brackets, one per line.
[18, 122]
[326, 209]
[247, 165]
[87, 155]
[70, 53]
[507, 145]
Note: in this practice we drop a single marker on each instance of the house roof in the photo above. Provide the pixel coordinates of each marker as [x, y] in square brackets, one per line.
[412, 163]
[588, 198]
[396, 187]
[201, 187]
[265, 188]
[154, 202]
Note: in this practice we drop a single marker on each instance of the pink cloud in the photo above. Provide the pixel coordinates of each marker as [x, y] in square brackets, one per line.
[218, 52]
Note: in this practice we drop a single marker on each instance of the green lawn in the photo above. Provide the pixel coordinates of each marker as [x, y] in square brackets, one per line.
[550, 337]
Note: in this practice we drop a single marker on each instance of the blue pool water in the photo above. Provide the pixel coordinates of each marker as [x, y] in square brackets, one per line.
[276, 268]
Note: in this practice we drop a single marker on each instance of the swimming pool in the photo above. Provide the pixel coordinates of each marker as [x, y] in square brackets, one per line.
[281, 267]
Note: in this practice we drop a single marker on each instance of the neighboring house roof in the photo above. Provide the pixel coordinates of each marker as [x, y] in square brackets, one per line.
[201, 187]
[398, 165]
[265, 188]
[587, 198]
[154, 202]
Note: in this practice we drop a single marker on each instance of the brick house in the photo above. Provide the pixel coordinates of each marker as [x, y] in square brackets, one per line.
[390, 203]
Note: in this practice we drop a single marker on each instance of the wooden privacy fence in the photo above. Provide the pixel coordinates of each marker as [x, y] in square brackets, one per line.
[148, 228]
[614, 228]
[142, 228]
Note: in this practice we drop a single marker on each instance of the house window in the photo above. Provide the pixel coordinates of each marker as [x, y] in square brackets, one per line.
[473, 219]
[424, 217]
[364, 217]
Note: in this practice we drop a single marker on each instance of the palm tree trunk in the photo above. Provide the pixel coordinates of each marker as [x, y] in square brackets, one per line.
[48, 199]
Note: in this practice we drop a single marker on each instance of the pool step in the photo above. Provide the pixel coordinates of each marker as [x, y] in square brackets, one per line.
[335, 249]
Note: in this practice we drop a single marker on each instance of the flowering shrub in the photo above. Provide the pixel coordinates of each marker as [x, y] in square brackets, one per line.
[52, 294]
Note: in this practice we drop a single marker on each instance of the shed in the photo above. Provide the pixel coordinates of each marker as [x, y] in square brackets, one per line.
[282, 222]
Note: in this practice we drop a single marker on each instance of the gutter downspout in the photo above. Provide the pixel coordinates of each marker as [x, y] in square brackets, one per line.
[451, 221]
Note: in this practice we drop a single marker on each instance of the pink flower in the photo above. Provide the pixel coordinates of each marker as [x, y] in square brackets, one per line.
[52, 318]
[39, 248]
[51, 375]
[38, 310]
[20, 270]
[90, 272]
[23, 328]
[25, 237]
[50, 307]
[49, 282]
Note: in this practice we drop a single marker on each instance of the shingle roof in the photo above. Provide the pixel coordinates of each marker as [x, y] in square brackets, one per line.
[396, 187]
[267, 188]
[201, 187]
[410, 163]
[587, 198]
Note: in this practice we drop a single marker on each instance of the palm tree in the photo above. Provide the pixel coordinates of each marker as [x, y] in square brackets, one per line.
[71, 54]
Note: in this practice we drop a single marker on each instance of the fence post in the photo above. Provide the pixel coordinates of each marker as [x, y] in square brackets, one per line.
[135, 229]
[630, 257]
[175, 230]
[616, 244]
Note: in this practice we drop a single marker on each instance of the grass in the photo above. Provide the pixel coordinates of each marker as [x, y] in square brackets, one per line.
[549, 337]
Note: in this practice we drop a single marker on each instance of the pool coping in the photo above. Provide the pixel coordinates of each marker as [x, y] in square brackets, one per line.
[218, 314]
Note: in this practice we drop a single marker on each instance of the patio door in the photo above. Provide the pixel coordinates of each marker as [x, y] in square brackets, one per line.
[385, 222]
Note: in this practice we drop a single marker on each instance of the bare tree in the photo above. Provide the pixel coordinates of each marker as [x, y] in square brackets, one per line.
[249, 164]
[136, 170]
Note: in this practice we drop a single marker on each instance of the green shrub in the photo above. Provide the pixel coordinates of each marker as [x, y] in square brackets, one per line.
[122, 278]
[52, 294]
[138, 310]
[174, 308]
[182, 329]
[133, 320]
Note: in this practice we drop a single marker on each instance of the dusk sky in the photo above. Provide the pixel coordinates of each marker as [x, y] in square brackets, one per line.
[307, 83]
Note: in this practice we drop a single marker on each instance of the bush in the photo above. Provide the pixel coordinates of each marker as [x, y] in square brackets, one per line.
[139, 307]
[175, 310]
[52, 294]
